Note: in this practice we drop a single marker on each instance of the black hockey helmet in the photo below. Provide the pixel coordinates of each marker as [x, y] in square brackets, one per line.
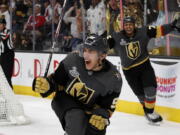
[129, 19]
[97, 43]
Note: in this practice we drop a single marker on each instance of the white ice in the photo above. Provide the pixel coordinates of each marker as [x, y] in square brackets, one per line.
[44, 122]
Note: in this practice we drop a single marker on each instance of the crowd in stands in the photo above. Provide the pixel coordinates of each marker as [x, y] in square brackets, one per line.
[34, 22]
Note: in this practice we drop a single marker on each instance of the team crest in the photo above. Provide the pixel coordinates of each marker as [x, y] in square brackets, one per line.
[133, 50]
[80, 91]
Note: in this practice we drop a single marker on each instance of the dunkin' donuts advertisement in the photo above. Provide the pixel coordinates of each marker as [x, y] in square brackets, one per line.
[168, 82]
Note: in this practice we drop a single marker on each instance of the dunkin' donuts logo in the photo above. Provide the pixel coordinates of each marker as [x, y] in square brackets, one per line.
[166, 86]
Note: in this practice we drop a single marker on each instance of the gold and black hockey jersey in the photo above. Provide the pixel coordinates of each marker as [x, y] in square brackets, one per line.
[85, 89]
[133, 51]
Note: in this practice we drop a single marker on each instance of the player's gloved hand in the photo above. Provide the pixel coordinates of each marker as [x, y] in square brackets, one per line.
[99, 118]
[41, 85]
[176, 24]
[110, 41]
[98, 122]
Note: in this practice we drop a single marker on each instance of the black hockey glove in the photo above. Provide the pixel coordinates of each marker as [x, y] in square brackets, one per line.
[111, 42]
[99, 119]
[176, 24]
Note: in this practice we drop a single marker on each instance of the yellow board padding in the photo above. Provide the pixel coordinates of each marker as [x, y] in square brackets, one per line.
[23, 90]
[171, 114]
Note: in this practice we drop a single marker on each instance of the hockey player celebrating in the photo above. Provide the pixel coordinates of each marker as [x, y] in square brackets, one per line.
[131, 45]
[88, 88]
[6, 50]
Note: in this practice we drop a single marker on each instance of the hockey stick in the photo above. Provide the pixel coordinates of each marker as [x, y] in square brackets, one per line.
[56, 36]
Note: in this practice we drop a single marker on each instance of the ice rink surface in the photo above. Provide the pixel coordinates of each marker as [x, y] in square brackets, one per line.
[44, 122]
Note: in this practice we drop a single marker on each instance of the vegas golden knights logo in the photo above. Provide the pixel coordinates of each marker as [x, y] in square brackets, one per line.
[80, 91]
[133, 50]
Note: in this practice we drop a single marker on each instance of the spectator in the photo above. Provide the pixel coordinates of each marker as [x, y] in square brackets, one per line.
[37, 24]
[134, 8]
[178, 2]
[28, 4]
[39, 20]
[3, 2]
[26, 42]
[22, 41]
[52, 12]
[96, 17]
[21, 8]
[16, 38]
[76, 26]
[45, 5]
[4, 11]
[113, 16]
